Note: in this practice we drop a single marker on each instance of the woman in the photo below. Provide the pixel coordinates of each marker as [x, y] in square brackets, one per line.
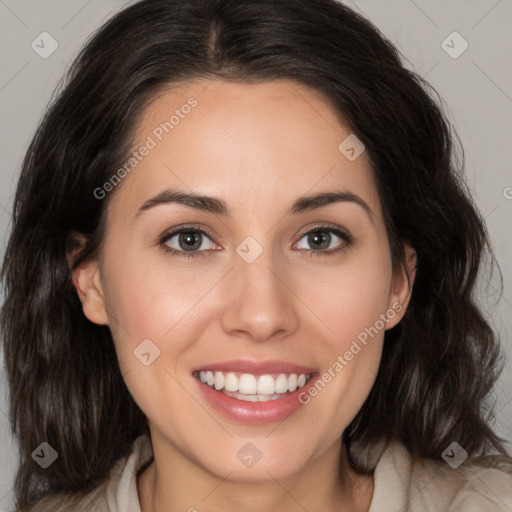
[241, 276]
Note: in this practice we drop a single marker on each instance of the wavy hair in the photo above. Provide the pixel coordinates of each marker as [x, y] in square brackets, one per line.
[439, 363]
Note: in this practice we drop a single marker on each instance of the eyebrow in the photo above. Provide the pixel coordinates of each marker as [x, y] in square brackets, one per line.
[219, 206]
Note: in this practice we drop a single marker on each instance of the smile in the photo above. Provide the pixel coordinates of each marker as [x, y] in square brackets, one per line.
[253, 388]
[254, 392]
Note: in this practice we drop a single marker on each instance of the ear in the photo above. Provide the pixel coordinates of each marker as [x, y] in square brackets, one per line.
[86, 279]
[401, 290]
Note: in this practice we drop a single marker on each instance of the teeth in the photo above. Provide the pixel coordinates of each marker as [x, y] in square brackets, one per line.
[254, 388]
[247, 384]
[266, 385]
[231, 383]
[254, 398]
[282, 383]
[219, 380]
[292, 382]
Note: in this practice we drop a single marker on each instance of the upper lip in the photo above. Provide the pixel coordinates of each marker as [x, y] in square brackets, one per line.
[256, 367]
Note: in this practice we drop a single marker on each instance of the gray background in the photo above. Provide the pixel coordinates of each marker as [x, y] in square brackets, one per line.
[477, 88]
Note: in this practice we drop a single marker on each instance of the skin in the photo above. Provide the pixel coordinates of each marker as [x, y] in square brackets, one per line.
[259, 147]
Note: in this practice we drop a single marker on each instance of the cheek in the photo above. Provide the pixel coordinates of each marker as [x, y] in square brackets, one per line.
[352, 303]
[149, 313]
[349, 298]
[161, 303]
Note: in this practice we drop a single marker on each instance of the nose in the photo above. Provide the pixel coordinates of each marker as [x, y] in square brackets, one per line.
[259, 302]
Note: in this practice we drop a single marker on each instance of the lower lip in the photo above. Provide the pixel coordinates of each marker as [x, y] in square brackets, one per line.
[255, 413]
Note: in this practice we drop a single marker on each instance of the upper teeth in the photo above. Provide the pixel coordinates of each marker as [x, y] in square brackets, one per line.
[248, 384]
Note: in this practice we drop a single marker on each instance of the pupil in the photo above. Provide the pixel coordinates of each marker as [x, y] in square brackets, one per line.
[320, 237]
[191, 240]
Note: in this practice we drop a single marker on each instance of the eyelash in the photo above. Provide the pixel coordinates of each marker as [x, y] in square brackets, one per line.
[344, 235]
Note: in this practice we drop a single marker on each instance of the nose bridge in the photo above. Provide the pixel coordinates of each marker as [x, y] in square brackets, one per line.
[259, 303]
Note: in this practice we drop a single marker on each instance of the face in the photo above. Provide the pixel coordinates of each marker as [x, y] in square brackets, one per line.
[279, 301]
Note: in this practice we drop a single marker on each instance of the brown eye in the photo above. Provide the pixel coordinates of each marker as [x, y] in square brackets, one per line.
[187, 240]
[319, 239]
[325, 240]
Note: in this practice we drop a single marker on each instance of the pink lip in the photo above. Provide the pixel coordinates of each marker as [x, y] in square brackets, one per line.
[255, 413]
[255, 367]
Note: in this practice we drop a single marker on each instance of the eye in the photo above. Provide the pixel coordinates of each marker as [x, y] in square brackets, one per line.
[191, 242]
[187, 242]
[323, 242]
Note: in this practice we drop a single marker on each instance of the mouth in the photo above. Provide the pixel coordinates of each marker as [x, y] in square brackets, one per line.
[253, 388]
[254, 392]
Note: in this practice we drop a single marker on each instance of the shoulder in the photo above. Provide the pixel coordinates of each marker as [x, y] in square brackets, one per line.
[428, 485]
[117, 494]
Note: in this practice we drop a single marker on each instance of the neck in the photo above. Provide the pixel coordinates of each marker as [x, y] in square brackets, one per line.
[173, 483]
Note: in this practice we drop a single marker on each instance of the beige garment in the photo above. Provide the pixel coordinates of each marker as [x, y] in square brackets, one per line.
[399, 485]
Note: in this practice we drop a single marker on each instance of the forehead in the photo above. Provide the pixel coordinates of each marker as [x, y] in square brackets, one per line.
[256, 145]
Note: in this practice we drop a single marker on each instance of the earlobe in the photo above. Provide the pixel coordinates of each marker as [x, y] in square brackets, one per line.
[401, 290]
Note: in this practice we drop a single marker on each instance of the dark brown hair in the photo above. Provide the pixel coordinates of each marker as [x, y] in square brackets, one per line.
[439, 364]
